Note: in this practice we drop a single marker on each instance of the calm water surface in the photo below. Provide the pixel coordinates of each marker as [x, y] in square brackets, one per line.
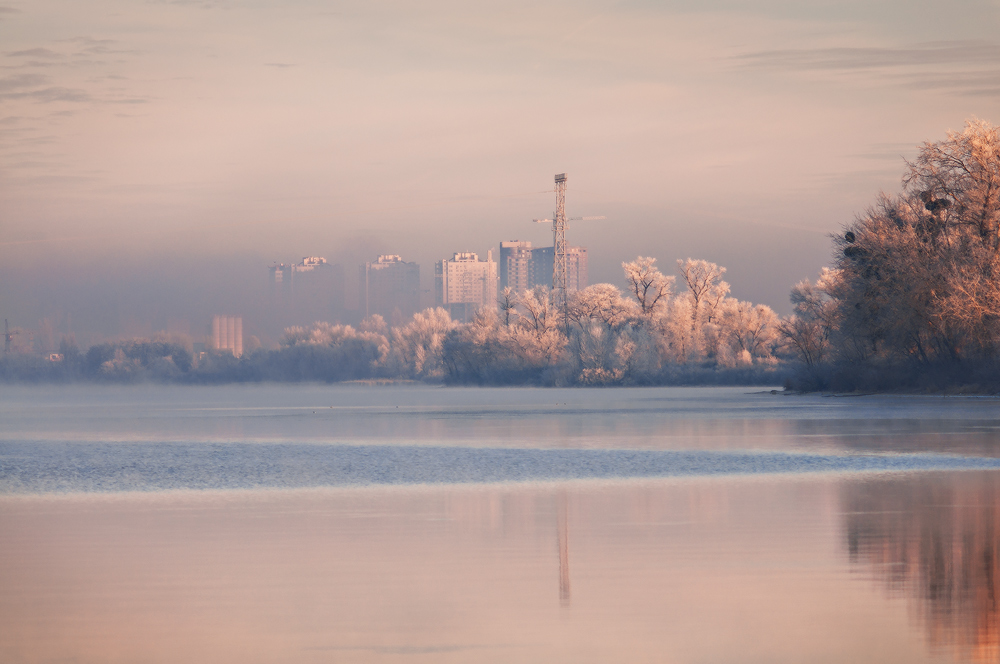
[419, 524]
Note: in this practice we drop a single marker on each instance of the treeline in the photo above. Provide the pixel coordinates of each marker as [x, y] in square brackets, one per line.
[646, 335]
[913, 299]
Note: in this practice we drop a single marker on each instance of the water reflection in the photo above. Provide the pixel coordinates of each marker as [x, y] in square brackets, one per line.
[689, 571]
[934, 539]
[562, 528]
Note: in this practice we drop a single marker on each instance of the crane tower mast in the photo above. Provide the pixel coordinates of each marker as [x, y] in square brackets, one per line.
[559, 267]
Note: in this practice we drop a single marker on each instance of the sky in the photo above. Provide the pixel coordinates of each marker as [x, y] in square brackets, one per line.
[156, 156]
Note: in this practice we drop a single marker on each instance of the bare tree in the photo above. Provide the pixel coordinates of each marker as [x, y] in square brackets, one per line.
[539, 315]
[958, 180]
[650, 287]
[706, 289]
[507, 303]
[809, 330]
[805, 336]
[601, 303]
[417, 346]
[748, 327]
[536, 334]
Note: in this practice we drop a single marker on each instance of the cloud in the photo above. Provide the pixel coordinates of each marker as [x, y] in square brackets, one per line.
[35, 53]
[7, 11]
[965, 68]
[91, 46]
[966, 83]
[19, 81]
[886, 152]
[44, 95]
[281, 65]
[845, 58]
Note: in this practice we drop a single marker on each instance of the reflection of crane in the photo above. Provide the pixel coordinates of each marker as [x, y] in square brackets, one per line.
[559, 246]
[7, 337]
[562, 533]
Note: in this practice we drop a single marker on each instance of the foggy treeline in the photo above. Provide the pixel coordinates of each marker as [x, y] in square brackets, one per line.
[913, 298]
[658, 330]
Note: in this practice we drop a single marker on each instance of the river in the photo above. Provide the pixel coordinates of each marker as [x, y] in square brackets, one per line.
[410, 523]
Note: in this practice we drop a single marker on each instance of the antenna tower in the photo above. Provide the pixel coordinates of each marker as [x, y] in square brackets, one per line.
[560, 269]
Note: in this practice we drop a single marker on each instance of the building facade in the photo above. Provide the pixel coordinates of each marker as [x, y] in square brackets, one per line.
[516, 266]
[464, 284]
[389, 287]
[227, 334]
[523, 267]
[306, 292]
[543, 259]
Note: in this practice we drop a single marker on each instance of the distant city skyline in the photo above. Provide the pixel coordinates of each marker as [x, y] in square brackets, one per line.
[148, 148]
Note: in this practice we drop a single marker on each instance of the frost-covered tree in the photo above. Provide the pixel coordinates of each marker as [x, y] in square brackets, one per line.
[602, 303]
[536, 334]
[374, 324]
[748, 328]
[919, 272]
[507, 305]
[705, 290]
[958, 181]
[603, 339]
[807, 332]
[537, 311]
[674, 331]
[417, 346]
[650, 287]
[327, 351]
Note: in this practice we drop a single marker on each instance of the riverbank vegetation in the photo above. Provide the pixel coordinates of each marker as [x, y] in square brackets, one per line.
[913, 298]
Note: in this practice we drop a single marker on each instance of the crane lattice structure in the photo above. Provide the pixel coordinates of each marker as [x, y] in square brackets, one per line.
[560, 268]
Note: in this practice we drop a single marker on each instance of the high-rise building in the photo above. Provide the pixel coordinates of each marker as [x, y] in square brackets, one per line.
[576, 266]
[523, 267]
[464, 284]
[389, 287]
[280, 281]
[516, 266]
[317, 291]
[306, 292]
[227, 334]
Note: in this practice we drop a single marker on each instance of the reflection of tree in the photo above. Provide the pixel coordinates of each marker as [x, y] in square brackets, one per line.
[935, 540]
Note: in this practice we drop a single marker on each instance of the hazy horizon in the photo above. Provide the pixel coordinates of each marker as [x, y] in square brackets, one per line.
[156, 156]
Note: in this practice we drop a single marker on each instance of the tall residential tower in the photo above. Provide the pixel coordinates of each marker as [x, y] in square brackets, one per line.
[464, 284]
[389, 287]
[523, 267]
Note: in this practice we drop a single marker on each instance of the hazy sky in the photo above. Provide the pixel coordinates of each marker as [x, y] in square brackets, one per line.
[162, 136]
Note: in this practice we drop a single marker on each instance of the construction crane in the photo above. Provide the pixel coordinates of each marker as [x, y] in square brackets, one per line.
[559, 247]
